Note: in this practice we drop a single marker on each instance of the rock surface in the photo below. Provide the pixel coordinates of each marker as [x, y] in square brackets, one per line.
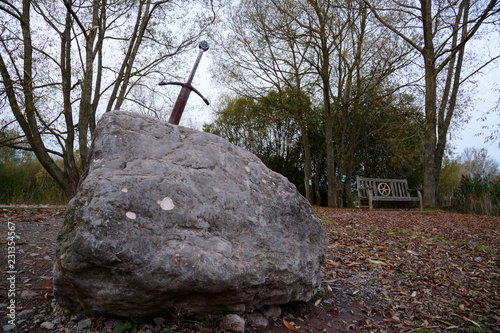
[168, 218]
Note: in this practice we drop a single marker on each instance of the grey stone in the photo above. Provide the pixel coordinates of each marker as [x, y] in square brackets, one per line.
[28, 294]
[168, 218]
[257, 320]
[47, 325]
[25, 314]
[271, 311]
[233, 323]
[8, 327]
[159, 320]
[83, 324]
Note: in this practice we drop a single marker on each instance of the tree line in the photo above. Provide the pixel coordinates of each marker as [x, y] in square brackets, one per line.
[389, 142]
[350, 57]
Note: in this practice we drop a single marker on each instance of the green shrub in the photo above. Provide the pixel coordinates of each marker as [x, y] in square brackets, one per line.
[477, 196]
[28, 183]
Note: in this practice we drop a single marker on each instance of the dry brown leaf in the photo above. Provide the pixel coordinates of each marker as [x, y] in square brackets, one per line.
[335, 312]
[289, 326]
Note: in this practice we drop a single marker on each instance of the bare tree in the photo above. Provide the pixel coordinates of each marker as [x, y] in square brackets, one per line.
[476, 163]
[366, 61]
[268, 53]
[439, 30]
[44, 86]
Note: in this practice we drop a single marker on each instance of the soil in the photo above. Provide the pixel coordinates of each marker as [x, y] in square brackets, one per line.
[357, 294]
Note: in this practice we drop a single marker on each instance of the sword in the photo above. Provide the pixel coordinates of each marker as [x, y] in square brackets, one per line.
[186, 89]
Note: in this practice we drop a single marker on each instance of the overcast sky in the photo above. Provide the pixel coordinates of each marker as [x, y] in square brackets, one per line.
[486, 99]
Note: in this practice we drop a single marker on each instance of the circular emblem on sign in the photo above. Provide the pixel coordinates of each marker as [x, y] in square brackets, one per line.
[384, 189]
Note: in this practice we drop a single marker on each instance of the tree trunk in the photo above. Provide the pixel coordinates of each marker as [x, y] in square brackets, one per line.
[88, 77]
[70, 167]
[430, 140]
[307, 162]
[330, 163]
[317, 173]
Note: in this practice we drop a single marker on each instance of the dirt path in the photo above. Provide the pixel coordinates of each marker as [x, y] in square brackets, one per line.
[385, 272]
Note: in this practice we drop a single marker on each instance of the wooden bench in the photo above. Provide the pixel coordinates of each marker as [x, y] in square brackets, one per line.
[377, 189]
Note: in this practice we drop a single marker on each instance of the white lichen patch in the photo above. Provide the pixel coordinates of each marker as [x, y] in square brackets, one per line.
[264, 181]
[124, 190]
[166, 203]
[131, 215]
[247, 169]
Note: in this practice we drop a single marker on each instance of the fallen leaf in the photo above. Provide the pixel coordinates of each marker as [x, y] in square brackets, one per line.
[335, 312]
[317, 302]
[377, 262]
[289, 326]
[45, 288]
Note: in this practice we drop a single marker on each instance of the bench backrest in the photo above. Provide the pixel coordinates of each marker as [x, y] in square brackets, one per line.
[397, 188]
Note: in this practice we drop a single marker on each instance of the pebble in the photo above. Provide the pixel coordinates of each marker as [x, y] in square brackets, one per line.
[257, 320]
[28, 294]
[271, 311]
[233, 323]
[83, 324]
[25, 314]
[159, 320]
[47, 325]
[8, 327]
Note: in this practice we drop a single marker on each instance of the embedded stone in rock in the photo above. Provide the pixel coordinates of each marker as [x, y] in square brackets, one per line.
[167, 218]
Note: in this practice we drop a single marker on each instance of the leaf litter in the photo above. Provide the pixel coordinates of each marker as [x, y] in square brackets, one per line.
[384, 271]
[436, 271]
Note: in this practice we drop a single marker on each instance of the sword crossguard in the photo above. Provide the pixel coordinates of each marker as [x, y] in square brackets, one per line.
[186, 89]
[185, 85]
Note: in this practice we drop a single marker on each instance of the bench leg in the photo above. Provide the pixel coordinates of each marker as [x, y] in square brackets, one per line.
[370, 201]
[420, 197]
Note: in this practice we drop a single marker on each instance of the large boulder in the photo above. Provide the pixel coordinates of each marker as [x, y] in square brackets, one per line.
[170, 219]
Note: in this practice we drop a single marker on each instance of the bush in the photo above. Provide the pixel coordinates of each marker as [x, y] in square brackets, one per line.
[27, 183]
[477, 196]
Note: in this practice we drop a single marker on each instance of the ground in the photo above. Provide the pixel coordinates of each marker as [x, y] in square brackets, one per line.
[385, 271]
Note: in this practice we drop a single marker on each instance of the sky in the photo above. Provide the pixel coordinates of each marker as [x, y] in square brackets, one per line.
[472, 134]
